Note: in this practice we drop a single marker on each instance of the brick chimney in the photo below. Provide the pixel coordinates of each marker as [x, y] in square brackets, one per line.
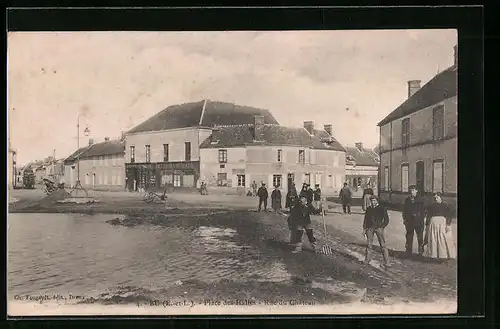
[258, 127]
[328, 129]
[455, 56]
[413, 87]
[91, 141]
[106, 139]
[309, 126]
[359, 146]
[122, 136]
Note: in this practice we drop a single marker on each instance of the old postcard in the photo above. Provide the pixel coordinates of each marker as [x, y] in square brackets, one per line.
[273, 172]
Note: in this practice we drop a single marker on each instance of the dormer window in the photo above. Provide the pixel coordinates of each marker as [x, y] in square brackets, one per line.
[215, 142]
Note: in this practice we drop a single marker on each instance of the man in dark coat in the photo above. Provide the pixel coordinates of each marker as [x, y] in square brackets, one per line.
[291, 197]
[276, 199]
[263, 195]
[317, 200]
[413, 219]
[375, 221]
[300, 220]
[307, 192]
[345, 196]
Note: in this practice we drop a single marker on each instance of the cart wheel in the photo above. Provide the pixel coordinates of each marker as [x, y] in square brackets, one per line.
[146, 196]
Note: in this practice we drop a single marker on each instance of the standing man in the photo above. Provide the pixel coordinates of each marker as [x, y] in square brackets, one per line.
[276, 199]
[254, 188]
[367, 193]
[291, 197]
[263, 195]
[300, 220]
[376, 219]
[345, 196]
[413, 218]
[317, 200]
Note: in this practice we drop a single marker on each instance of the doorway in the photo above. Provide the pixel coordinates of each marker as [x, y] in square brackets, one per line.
[420, 177]
[290, 180]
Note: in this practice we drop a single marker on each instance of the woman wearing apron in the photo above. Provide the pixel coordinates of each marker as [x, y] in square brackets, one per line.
[438, 236]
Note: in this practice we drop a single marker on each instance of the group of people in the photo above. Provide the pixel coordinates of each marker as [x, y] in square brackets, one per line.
[435, 220]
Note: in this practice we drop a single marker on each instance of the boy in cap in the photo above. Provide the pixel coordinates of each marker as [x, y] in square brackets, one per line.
[263, 195]
[413, 219]
[375, 221]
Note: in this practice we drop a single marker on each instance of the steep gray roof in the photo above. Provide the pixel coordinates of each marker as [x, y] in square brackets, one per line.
[361, 158]
[196, 114]
[439, 88]
[111, 147]
[272, 134]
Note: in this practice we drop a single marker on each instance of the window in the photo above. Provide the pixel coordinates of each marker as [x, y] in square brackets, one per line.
[280, 155]
[93, 162]
[307, 178]
[277, 180]
[302, 156]
[241, 180]
[330, 181]
[438, 122]
[105, 160]
[404, 177]
[405, 134]
[148, 153]
[187, 151]
[437, 176]
[222, 156]
[336, 160]
[165, 152]
[132, 154]
[386, 178]
[221, 179]
[105, 179]
[318, 179]
[177, 180]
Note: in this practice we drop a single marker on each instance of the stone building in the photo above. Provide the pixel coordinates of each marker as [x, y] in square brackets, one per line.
[164, 149]
[418, 140]
[234, 156]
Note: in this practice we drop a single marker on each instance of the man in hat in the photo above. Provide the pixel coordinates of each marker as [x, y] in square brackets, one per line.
[276, 199]
[300, 221]
[317, 200]
[413, 219]
[345, 196]
[375, 221]
[263, 195]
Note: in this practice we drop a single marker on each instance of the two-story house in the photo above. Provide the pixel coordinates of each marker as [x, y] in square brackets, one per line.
[418, 140]
[164, 149]
[101, 166]
[361, 168]
[236, 156]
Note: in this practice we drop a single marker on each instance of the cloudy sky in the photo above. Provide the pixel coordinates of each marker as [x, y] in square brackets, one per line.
[118, 79]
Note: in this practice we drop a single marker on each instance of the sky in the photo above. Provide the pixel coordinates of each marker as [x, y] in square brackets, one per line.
[115, 80]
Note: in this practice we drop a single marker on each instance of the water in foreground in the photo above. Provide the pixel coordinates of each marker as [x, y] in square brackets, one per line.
[178, 262]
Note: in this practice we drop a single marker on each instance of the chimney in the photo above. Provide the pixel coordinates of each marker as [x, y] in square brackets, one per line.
[359, 146]
[413, 87]
[122, 136]
[258, 127]
[328, 129]
[106, 139]
[309, 126]
[91, 141]
[455, 56]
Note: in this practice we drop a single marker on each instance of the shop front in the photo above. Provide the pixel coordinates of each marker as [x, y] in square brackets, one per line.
[156, 175]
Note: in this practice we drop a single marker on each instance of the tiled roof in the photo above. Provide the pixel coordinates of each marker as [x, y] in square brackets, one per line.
[111, 147]
[439, 88]
[272, 134]
[321, 133]
[189, 115]
[365, 158]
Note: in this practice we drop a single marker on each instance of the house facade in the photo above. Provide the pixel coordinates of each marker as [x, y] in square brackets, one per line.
[419, 141]
[101, 166]
[361, 168]
[235, 156]
[165, 149]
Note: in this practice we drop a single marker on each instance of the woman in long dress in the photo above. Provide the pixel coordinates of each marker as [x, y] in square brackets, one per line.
[438, 237]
